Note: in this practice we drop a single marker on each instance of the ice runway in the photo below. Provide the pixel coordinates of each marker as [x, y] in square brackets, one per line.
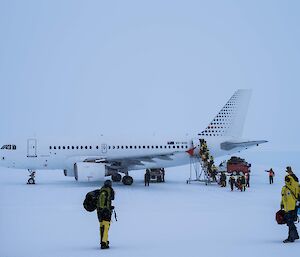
[170, 219]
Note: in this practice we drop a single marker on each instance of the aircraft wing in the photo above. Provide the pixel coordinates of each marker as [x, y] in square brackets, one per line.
[125, 162]
[245, 144]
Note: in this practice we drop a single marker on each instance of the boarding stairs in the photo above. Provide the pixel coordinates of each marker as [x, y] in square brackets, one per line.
[199, 168]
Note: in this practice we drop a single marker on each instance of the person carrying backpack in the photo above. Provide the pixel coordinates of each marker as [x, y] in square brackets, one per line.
[223, 179]
[231, 181]
[289, 205]
[243, 183]
[104, 211]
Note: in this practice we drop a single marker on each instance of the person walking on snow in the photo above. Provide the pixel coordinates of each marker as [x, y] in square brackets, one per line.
[223, 179]
[231, 181]
[289, 203]
[243, 183]
[104, 211]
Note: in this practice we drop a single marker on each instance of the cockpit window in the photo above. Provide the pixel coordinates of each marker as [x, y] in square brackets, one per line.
[9, 147]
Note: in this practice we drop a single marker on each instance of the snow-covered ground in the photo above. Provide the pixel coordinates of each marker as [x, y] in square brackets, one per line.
[170, 219]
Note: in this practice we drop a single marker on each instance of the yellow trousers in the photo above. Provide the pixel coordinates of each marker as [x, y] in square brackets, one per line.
[104, 227]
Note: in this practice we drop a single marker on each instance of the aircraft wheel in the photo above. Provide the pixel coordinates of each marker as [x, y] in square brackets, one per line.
[116, 177]
[31, 181]
[127, 180]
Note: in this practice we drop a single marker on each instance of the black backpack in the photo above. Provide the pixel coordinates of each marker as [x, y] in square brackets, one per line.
[90, 201]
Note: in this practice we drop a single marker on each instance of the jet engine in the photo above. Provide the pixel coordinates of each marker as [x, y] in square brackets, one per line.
[84, 171]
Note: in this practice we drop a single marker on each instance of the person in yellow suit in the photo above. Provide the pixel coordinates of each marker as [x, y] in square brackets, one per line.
[289, 200]
[104, 211]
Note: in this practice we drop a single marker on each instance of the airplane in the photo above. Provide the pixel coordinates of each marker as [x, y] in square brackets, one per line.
[93, 160]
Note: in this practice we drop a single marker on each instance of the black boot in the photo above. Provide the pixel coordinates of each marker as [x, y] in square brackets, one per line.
[104, 245]
[288, 240]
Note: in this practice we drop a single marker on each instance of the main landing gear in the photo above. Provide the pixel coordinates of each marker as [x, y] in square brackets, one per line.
[126, 180]
[31, 180]
[116, 177]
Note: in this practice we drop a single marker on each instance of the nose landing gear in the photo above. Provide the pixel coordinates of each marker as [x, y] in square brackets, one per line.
[31, 180]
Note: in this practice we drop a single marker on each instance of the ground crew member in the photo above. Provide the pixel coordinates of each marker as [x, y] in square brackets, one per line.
[271, 176]
[243, 183]
[231, 181]
[288, 204]
[104, 211]
[147, 177]
[247, 177]
[163, 174]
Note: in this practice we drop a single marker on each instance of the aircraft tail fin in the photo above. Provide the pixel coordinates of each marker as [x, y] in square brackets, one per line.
[229, 122]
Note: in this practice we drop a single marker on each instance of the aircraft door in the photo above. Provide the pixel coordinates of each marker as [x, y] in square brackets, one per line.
[31, 147]
[103, 148]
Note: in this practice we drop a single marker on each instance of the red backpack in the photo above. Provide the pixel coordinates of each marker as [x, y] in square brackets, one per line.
[280, 217]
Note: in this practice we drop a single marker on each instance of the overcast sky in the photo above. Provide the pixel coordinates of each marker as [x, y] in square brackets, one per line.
[138, 68]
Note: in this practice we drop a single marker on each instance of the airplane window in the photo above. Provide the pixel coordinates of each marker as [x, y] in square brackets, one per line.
[156, 147]
[122, 147]
[160, 146]
[182, 146]
[186, 146]
[114, 147]
[130, 147]
[139, 147]
[86, 147]
[54, 147]
[50, 147]
[173, 146]
[165, 146]
[178, 146]
[135, 147]
[152, 146]
[148, 146]
[169, 146]
[90, 147]
[118, 147]
[126, 147]
[143, 146]
[59, 147]
[109, 147]
[81, 147]
[77, 147]
[72, 146]
[64, 147]
[97, 147]
[68, 147]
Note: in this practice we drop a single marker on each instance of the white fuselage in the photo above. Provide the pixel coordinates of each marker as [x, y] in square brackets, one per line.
[62, 155]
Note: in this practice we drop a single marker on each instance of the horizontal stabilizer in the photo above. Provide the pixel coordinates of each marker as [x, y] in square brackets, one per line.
[231, 145]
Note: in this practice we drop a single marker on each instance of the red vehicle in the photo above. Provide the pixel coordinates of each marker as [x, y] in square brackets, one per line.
[238, 165]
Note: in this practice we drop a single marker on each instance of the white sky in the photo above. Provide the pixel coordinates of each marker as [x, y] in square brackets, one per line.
[136, 68]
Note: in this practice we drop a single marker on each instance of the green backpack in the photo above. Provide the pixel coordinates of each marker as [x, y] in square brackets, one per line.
[104, 199]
